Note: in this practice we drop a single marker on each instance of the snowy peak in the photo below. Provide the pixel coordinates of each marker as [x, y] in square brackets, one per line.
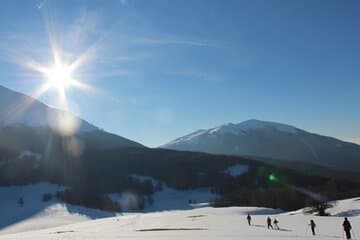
[21, 114]
[19, 109]
[271, 141]
[238, 129]
[189, 137]
[245, 126]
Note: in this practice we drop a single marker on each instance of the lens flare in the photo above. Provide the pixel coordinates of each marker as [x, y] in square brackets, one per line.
[63, 123]
[273, 178]
[59, 70]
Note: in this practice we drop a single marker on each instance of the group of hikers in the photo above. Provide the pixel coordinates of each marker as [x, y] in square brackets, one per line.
[346, 225]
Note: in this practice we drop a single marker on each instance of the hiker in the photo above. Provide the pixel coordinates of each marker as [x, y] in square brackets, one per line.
[249, 219]
[312, 225]
[269, 223]
[276, 224]
[347, 228]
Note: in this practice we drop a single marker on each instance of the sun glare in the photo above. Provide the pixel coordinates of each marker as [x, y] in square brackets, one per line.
[59, 76]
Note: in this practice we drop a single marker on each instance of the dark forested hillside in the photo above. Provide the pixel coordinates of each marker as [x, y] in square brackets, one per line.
[30, 155]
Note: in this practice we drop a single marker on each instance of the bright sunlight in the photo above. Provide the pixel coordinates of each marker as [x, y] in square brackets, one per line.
[59, 76]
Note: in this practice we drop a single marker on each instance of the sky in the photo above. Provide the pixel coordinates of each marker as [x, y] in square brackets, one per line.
[160, 69]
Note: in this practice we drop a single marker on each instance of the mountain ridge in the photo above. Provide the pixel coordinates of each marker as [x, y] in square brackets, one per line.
[274, 140]
[19, 110]
[199, 131]
[20, 105]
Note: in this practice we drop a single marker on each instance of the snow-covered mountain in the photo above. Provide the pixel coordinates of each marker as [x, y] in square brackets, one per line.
[21, 111]
[270, 141]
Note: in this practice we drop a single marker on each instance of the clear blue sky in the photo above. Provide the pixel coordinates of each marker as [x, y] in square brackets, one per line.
[165, 68]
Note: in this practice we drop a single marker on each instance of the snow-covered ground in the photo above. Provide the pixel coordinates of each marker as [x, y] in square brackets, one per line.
[202, 223]
[345, 208]
[37, 214]
[169, 198]
[342, 208]
[35, 157]
[54, 220]
[237, 170]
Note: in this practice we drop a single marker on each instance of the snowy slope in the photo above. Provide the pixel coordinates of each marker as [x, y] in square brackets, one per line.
[19, 109]
[275, 142]
[203, 223]
[36, 214]
[347, 207]
[341, 208]
[234, 129]
[54, 220]
[165, 199]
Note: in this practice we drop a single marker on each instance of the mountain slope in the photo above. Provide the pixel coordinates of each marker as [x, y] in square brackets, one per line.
[263, 140]
[38, 214]
[19, 109]
[92, 162]
[340, 208]
[23, 115]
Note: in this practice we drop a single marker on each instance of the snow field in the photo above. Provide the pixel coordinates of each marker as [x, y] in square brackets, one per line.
[202, 223]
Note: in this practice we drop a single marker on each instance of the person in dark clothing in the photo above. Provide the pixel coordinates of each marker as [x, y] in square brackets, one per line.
[347, 228]
[269, 223]
[249, 219]
[276, 224]
[312, 225]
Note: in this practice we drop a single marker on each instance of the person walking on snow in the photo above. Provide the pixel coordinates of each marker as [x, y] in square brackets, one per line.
[312, 225]
[276, 224]
[347, 228]
[249, 219]
[269, 223]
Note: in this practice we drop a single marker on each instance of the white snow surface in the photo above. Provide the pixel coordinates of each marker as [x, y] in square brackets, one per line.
[341, 208]
[203, 224]
[237, 170]
[347, 207]
[166, 199]
[19, 109]
[243, 127]
[170, 199]
[53, 220]
[189, 138]
[234, 129]
[36, 157]
[36, 214]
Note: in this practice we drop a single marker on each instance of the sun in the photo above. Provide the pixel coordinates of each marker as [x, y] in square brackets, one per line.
[59, 76]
